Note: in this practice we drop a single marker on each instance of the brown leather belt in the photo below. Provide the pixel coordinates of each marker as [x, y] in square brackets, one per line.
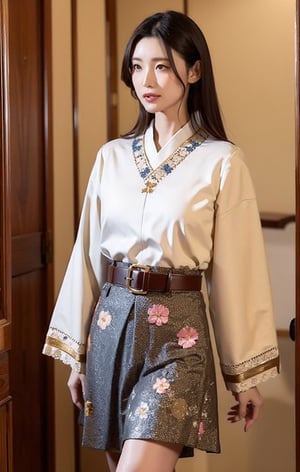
[139, 279]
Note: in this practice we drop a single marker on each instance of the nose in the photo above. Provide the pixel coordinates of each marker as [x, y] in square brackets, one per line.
[149, 77]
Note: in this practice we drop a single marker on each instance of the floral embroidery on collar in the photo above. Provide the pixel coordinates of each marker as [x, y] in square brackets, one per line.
[152, 176]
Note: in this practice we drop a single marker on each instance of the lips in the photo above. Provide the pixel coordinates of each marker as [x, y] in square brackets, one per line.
[150, 97]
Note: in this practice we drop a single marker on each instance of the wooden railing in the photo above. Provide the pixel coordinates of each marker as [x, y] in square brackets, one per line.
[276, 220]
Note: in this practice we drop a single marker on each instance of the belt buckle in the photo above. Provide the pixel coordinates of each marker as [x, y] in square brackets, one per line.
[136, 291]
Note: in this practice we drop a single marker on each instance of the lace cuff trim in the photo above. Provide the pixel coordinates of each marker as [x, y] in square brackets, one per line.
[60, 346]
[247, 374]
[252, 382]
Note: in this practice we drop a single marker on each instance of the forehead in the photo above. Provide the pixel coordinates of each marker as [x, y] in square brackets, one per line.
[150, 46]
[153, 49]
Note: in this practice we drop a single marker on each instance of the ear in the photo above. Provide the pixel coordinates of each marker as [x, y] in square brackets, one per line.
[194, 73]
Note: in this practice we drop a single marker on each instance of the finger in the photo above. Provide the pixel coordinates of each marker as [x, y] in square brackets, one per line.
[233, 415]
[76, 393]
[76, 397]
[242, 410]
[83, 385]
[253, 412]
[78, 401]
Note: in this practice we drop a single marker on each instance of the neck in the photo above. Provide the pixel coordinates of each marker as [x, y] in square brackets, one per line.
[164, 130]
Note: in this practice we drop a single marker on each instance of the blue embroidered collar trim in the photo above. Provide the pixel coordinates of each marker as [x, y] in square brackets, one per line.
[152, 176]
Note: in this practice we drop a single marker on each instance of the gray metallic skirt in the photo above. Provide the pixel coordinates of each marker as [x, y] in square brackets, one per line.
[150, 372]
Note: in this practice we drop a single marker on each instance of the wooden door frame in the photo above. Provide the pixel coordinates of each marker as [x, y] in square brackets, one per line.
[5, 173]
[49, 219]
[5, 242]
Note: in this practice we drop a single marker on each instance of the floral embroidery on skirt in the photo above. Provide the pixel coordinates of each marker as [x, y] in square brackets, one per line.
[150, 372]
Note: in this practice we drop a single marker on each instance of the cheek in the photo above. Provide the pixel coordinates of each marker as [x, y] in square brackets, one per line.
[135, 81]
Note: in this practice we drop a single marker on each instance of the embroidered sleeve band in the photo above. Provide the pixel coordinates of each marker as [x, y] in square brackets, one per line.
[248, 374]
[60, 346]
[238, 378]
[64, 347]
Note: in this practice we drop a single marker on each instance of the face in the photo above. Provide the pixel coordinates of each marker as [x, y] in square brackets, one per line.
[154, 81]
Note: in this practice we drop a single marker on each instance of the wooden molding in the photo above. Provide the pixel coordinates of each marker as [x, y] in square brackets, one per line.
[276, 220]
[112, 73]
[5, 212]
[5, 335]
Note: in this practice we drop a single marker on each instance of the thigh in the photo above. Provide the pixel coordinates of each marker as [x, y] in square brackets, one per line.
[147, 455]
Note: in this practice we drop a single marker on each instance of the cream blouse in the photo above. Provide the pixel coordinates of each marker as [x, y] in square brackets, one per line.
[192, 203]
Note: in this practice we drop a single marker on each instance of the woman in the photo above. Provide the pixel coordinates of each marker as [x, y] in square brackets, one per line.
[169, 203]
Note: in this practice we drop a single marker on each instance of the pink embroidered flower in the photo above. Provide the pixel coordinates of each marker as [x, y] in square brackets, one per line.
[104, 319]
[161, 385]
[158, 314]
[187, 337]
[201, 429]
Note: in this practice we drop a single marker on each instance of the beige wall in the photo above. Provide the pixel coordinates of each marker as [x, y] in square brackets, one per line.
[63, 209]
[92, 85]
[270, 445]
[252, 47]
[92, 133]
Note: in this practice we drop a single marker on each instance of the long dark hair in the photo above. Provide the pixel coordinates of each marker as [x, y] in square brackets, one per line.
[180, 33]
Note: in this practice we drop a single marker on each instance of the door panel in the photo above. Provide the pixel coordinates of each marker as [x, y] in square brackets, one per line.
[27, 373]
[5, 437]
[5, 417]
[26, 441]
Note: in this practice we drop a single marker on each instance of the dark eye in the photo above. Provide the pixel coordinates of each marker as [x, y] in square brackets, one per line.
[162, 67]
[135, 67]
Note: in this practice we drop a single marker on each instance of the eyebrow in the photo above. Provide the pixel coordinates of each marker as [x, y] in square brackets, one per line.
[154, 59]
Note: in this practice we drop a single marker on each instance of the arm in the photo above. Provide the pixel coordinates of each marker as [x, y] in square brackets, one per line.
[240, 297]
[80, 289]
[238, 285]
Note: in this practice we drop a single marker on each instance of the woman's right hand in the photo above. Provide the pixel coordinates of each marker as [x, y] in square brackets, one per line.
[76, 384]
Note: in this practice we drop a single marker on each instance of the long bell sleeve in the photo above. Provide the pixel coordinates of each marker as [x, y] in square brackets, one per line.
[238, 283]
[80, 289]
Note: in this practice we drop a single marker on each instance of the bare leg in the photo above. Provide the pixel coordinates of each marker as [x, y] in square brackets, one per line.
[112, 459]
[140, 455]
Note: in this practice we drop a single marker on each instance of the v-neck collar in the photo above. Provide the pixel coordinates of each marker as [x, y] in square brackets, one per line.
[155, 156]
[168, 158]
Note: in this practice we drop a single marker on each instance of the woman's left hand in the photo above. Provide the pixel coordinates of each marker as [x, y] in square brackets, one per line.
[247, 408]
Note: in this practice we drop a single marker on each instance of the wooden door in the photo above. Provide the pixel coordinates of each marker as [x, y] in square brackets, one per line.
[26, 221]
